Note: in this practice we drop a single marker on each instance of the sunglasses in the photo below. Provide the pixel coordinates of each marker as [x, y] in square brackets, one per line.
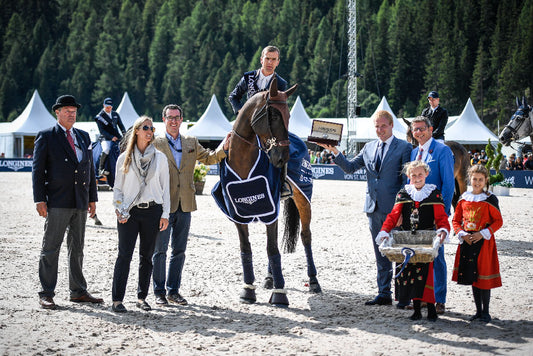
[146, 128]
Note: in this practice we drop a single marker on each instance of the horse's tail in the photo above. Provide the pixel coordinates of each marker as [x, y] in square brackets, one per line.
[292, 226]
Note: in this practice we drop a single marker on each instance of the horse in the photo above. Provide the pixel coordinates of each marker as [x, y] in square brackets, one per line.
[460, 167]
[261, 127]
[520, 125]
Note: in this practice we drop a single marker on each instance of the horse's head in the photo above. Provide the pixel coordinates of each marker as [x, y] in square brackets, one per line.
[520, 124]
[409, 134]
[270, 122]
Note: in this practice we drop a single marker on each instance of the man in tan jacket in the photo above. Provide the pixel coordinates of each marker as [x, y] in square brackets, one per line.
[182, 153]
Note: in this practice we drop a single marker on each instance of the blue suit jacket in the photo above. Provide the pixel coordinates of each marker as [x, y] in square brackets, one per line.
[58, 178]
[440, 160]
[382, 186]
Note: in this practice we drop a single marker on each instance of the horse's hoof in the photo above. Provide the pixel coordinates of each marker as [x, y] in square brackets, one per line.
[268, 283]
[314, 286]
[279, 299]
[247, 296]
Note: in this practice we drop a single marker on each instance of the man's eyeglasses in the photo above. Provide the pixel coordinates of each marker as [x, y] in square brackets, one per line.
[420, 129]
[146, 128]
[173, 118]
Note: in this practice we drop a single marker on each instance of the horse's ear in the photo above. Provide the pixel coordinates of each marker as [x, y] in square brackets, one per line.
[524, 102]
[518, 102]
[273, 87]
[291, 90]
[407, 122]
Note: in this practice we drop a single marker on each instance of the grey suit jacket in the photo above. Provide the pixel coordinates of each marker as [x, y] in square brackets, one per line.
[382, 186]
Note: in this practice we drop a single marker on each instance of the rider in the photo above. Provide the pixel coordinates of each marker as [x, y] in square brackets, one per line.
[259, 80]
[437, 115]
[108, 122]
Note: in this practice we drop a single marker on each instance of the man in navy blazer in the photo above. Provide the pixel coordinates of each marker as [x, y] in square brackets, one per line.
[440, 159]
[383, 160]
[64, 189]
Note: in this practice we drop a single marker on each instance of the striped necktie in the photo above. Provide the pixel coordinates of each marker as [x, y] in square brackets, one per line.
[420, 153]
[381, 149]
[71, 141]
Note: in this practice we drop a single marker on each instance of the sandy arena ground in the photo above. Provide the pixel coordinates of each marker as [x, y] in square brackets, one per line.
[335, 322]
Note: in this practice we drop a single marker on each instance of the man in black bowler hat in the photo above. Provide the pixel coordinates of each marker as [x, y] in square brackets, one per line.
[64, 190]
[437, 115]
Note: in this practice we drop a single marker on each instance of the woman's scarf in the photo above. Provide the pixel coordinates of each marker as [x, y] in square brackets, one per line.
[143, 164]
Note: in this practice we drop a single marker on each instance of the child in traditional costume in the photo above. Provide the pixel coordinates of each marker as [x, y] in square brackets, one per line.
[418, 206]
[477, 217]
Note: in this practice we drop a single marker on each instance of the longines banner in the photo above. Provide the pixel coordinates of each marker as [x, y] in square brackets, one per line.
[520, 179]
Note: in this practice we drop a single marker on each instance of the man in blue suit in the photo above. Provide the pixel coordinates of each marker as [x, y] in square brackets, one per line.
[64, 189]
[383, 160]
[440, 159]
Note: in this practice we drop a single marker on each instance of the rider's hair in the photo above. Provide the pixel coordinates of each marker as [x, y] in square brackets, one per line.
[270, 49]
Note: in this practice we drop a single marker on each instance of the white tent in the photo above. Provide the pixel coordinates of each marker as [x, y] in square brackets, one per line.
[364, 126]
[212, 125]
[127, 112]
[300, 123]
[469, 129]
[16, 140]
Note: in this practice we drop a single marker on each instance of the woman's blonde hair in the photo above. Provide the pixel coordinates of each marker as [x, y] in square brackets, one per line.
[132, 141]
[409, 166]
[481, 169]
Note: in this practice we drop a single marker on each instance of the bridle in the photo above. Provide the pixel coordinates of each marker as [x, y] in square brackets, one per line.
[264, 113]
[519, 117]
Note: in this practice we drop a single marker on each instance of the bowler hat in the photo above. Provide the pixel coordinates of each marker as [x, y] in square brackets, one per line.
[65, 100]
[433, 94]
[108, 101]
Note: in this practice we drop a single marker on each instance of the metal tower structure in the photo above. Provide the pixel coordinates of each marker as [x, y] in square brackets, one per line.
[352, 74]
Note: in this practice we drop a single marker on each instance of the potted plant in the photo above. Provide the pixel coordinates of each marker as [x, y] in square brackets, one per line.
[200, 171]
[497, 182]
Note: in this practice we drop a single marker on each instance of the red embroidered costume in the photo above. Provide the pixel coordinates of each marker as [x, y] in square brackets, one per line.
[477, 264]
[416, 280]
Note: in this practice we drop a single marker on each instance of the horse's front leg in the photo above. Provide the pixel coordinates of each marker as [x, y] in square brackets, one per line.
[248, 293]
[279, 295]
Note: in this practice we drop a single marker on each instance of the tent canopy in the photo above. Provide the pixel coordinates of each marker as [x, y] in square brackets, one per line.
[127, 112]
[33, 119]
[212, 125]
[300, 123]
[469, 129]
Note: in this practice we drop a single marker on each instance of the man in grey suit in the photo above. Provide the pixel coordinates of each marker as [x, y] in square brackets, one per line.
[383, 160]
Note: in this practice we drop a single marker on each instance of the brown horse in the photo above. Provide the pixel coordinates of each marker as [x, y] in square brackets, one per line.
[262, 125]
[461, 165]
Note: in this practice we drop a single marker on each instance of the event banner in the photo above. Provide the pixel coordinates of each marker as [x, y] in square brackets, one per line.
[519, 179]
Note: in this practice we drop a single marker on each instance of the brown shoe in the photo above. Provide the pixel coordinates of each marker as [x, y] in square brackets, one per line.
[440, 308]
[177, 299]
[86, 298]
[47, 303]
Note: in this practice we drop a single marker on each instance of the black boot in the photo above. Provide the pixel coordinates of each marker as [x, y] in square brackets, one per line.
[101, 166]
[485, 297]
[432, 312]
[286, 189]
[476, 292]
[417, 315]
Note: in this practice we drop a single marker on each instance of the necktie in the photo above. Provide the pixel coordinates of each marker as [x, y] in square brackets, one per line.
[420, 153]
[381, 149]
[71, 141]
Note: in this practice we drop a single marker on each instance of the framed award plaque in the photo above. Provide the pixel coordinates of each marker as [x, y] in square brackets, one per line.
[329, 133]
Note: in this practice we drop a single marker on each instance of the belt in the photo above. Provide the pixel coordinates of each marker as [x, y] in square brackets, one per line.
[146, 205]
